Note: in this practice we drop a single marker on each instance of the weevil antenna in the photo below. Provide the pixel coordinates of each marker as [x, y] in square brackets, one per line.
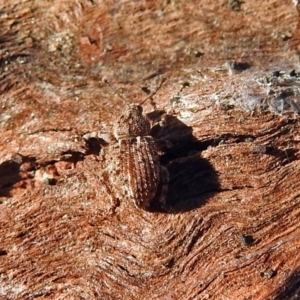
[150, 96]
[113, 90]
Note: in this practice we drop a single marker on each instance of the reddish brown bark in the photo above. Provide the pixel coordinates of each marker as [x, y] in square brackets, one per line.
[230, 143]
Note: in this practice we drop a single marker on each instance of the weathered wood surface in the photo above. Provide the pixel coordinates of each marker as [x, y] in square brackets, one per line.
[232, 151]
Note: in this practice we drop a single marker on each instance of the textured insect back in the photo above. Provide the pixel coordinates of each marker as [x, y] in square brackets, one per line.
[132, 123]
[132, 169]
[137, 157]
[140, 167]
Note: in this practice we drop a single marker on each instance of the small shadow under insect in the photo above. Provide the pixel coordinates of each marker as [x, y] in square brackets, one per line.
[192, 179]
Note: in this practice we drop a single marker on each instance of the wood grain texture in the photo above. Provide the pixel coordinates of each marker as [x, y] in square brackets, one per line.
[233, 159]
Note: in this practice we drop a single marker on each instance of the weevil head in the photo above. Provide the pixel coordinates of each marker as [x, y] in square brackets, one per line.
[132, 123]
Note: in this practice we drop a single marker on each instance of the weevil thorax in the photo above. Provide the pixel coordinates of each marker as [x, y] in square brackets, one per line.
[132, 123]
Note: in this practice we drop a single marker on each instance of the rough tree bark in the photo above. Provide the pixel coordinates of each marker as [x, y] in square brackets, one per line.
[232, 140]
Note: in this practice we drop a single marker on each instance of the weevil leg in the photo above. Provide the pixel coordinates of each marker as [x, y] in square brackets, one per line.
[115, 202]
[164, 181]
